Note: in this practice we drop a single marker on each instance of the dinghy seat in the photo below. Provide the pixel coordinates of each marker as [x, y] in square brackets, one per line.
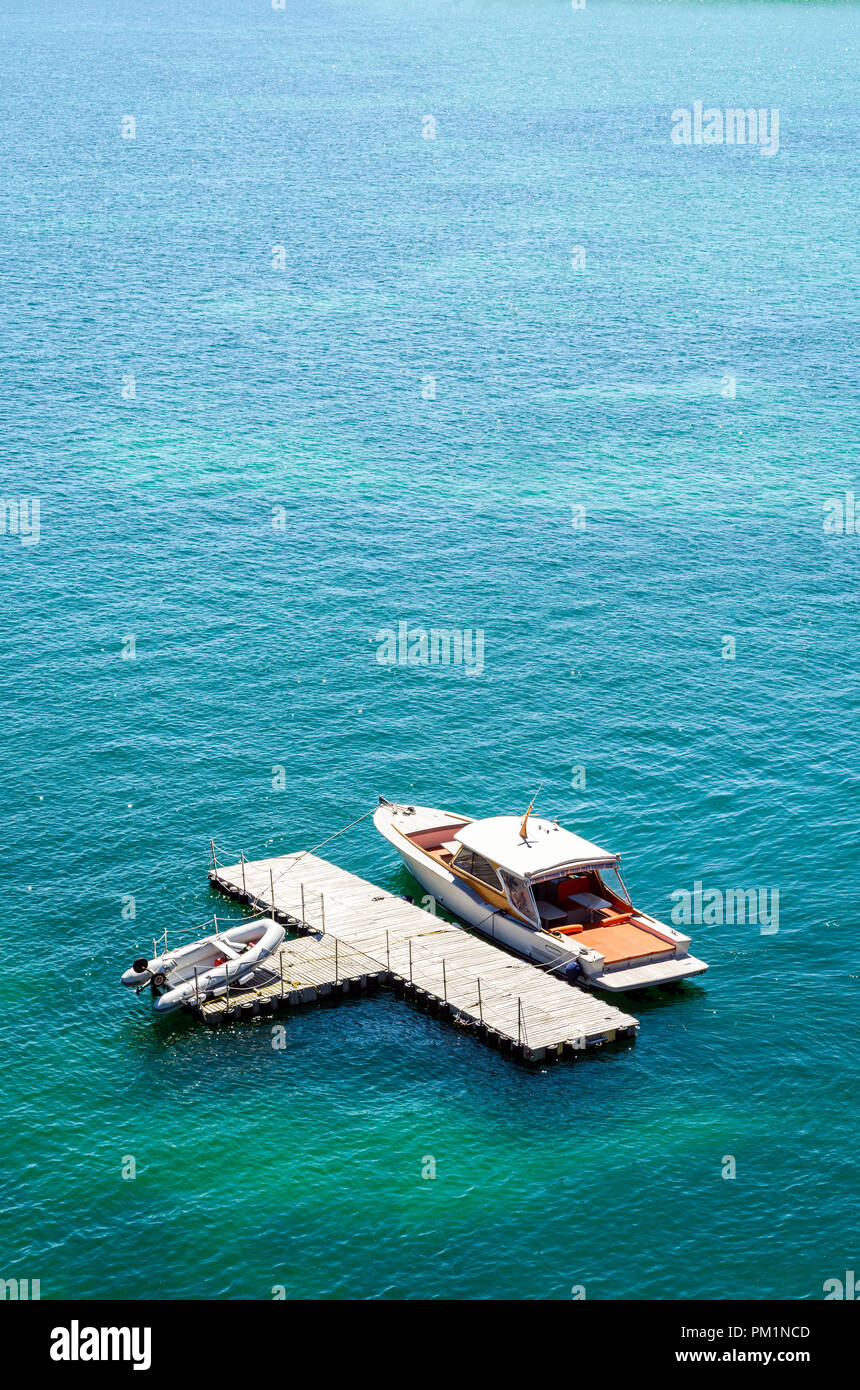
[226, 951]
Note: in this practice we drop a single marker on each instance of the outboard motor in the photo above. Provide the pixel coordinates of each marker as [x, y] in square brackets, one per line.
[139, 974]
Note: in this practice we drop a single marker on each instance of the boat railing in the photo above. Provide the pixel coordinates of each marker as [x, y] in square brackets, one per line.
[220, 854]
[460, 987]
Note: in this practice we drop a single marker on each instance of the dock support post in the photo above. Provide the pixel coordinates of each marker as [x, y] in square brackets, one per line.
[444, 982]
[322, 910]
[519, 1020]
[387, 951]
[302, 886]
[244, 889]
[335, 960]
[227, 983]
[410, 960]
[197, 986]
[480, 1004]
[272, 887]
[215, 920]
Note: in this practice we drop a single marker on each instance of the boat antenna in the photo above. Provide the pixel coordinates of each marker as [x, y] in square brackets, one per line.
[524, 826]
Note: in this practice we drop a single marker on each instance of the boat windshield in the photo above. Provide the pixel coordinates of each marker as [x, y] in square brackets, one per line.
[612, 880]
[519, 896]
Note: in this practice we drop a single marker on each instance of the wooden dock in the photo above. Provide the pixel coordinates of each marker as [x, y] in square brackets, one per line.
[505, 1000]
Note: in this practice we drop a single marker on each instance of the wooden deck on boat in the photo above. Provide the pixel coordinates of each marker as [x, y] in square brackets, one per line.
[506, 1000]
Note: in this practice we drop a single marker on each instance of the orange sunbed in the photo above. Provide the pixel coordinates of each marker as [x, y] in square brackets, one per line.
[623, 942]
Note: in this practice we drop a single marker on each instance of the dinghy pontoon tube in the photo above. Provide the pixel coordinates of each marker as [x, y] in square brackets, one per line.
[235, 955]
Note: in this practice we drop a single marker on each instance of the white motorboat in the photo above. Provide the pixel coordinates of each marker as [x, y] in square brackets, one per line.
[540, 890]
[203, 969]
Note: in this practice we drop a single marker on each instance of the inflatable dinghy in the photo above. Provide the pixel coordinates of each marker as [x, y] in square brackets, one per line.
[235, 956]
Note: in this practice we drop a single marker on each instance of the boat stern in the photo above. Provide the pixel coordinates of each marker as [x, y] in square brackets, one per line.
[138, 975]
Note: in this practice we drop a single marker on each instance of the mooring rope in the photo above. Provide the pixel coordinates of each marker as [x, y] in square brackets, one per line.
[343, 831]
[304, 852]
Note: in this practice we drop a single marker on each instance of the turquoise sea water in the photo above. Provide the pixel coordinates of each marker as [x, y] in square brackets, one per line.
[257, 388]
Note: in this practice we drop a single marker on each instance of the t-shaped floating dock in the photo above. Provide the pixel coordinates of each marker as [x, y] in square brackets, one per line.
[359, 933]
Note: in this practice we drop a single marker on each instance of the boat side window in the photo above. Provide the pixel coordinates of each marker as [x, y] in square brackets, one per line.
[478, 867]
[519, 896]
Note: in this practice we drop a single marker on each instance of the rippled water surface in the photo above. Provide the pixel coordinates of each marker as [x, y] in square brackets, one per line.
[307, 388]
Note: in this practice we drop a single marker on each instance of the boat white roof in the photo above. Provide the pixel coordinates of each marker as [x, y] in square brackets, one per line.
[547, 847]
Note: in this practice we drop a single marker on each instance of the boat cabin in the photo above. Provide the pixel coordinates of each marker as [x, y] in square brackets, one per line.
[550, 878]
